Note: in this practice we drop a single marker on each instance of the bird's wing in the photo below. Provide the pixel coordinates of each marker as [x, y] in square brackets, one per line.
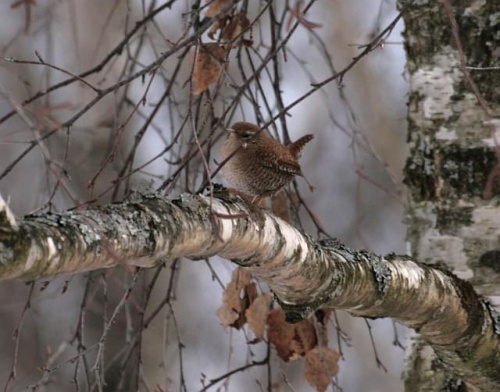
[279, 164]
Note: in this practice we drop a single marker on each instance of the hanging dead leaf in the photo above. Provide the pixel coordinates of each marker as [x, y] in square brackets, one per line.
[321, 365]
[215, 7]
[241, 277]
[226, 315]
[280, 333]
[251, 292]
[291, 341]
[219, 25]
[232, 297]
[231, 27]
[257, 313]
[236, 26]
[305, 338]
[208, 65]
[238, 296]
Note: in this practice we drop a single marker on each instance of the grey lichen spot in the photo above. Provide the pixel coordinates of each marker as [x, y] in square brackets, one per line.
[336, 246]
[185, 199]
[48, 219]
[89, 235]
[364, 256]
[153, 196]
[155, 218]
[382, 272]
[331, 243]
[142, 190]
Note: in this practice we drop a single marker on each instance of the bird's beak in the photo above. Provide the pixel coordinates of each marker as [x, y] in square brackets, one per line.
[230, 130]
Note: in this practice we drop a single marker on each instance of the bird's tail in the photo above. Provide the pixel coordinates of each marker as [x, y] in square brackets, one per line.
[297, 146]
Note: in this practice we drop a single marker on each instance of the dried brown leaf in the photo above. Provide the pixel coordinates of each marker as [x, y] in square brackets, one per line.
[291, 341]
[232, 297]
[238, 295]
[219, 25]
[231, 28]
[241, 277]
[257, 313]
[207, 66]
[251, 292]
[235, 27]
[321, 365]
[227, 315]
[215, 7]
[305, 338]
[280, 333]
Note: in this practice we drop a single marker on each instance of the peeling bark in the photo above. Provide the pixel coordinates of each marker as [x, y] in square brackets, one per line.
[305, 274]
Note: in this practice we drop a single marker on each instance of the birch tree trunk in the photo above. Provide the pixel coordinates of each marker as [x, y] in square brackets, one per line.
[452, 173]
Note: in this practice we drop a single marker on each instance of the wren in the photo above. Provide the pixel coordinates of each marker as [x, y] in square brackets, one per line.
[259, 165]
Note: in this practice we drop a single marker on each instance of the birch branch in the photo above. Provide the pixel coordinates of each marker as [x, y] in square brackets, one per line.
[305, 274]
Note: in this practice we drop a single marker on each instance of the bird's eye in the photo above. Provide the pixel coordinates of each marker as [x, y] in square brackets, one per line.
[247, 136]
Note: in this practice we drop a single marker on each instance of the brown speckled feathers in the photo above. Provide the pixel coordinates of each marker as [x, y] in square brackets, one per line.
[261, 165]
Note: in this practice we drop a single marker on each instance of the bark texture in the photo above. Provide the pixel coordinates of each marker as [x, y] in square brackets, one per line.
[453, 146]
[305, 274]
[453, 214]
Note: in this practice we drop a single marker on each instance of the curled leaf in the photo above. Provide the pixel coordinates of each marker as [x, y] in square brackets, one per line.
[257, 313]
[231, 28]
[236, 26]
[305, 338]
[208, 64]
[280, 333]
[238, 296]
[226, 315]
[291, 341]
[321, 365]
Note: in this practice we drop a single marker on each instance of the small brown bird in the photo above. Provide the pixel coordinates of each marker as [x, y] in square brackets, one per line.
[261, 165]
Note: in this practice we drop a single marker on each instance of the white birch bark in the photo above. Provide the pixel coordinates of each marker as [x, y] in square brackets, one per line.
[453, 154]
[305, 274]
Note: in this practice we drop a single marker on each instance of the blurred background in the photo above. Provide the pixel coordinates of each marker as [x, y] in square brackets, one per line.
[94, 141]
